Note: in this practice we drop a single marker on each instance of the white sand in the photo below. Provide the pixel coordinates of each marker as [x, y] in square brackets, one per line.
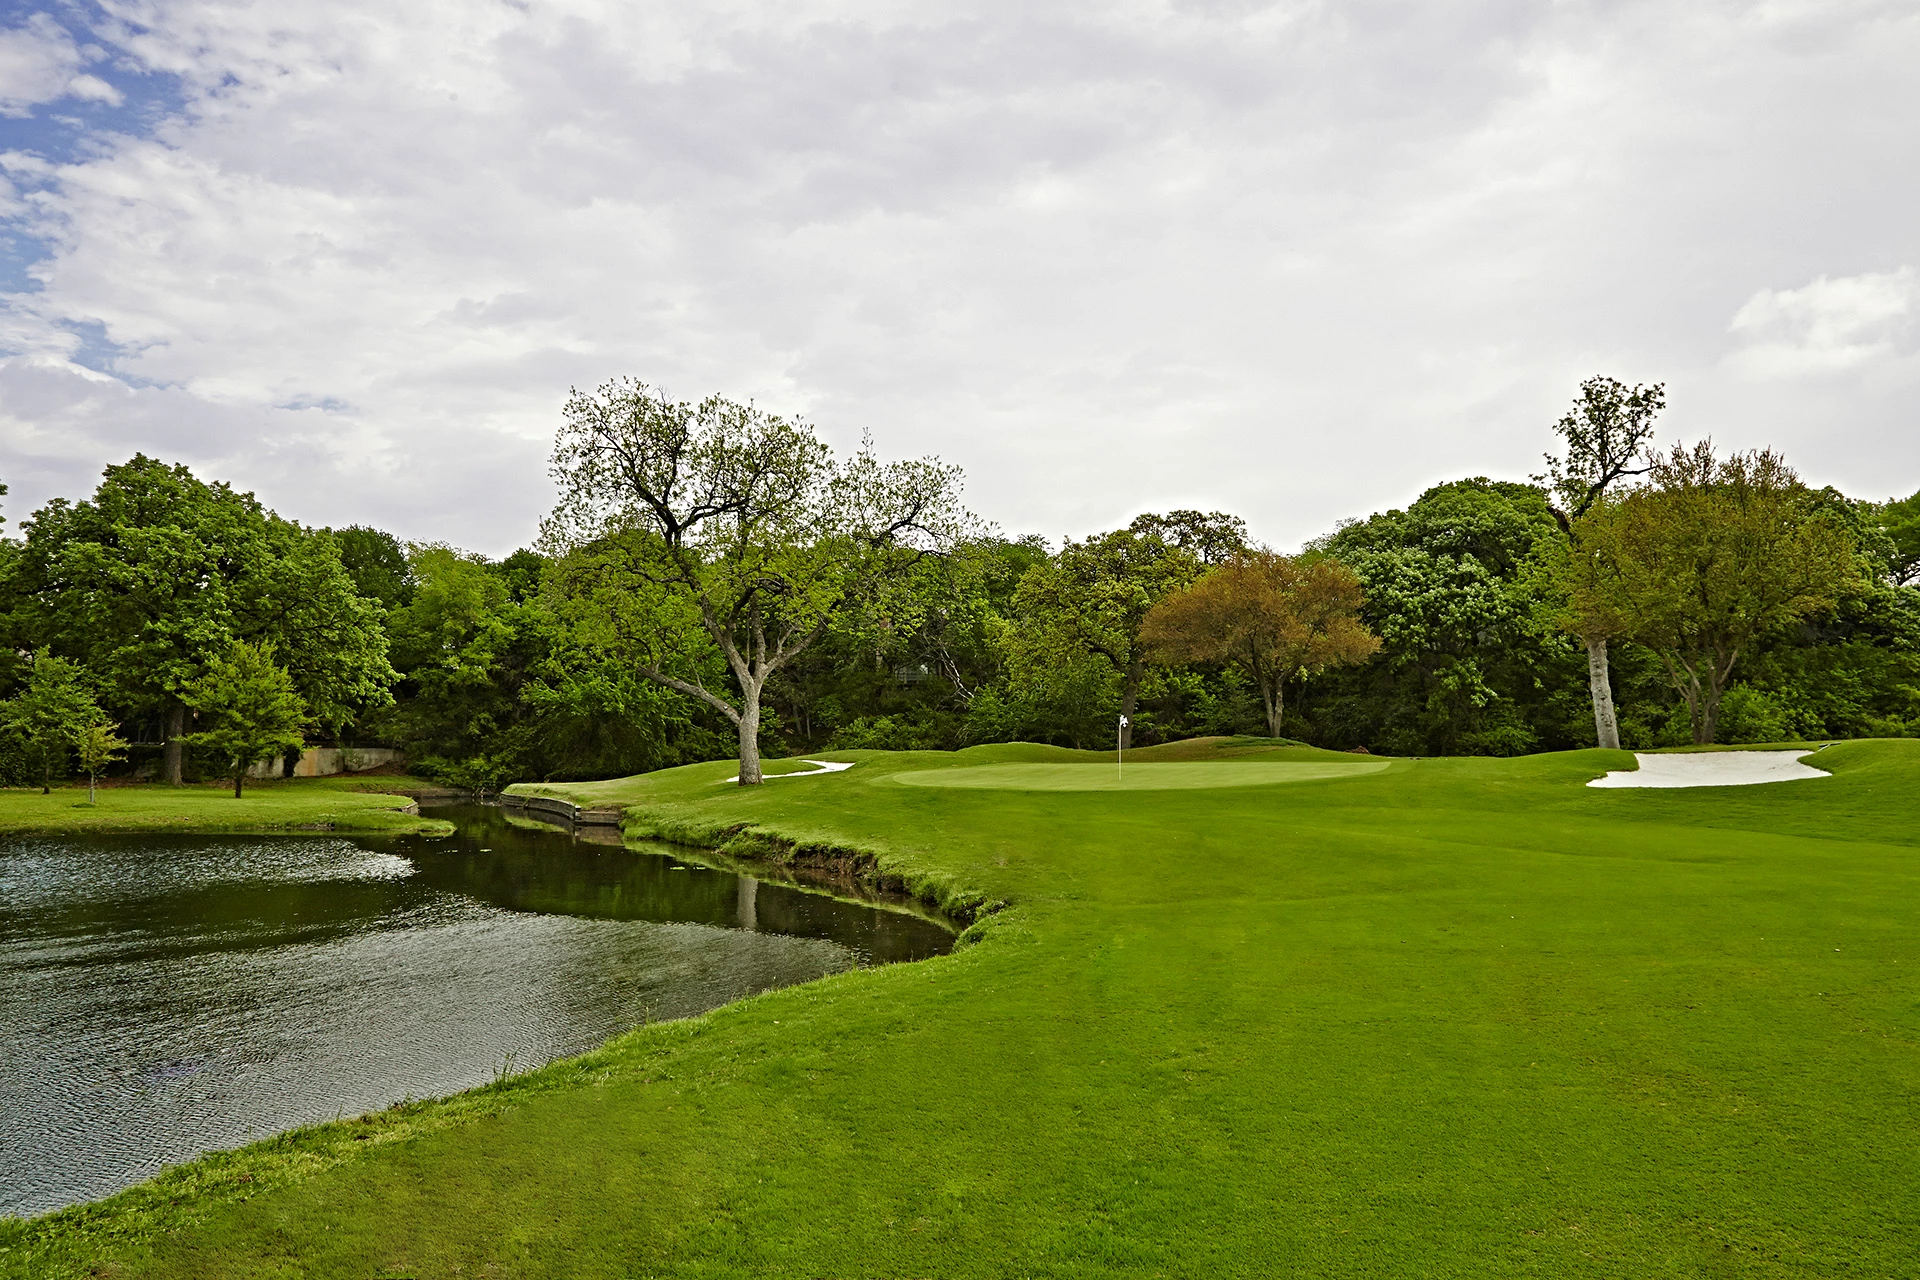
[1713, 769]
[825, 766]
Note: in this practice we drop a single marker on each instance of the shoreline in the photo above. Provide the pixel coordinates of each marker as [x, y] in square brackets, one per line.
[152, 1207]
[798, 874]
[748, 847]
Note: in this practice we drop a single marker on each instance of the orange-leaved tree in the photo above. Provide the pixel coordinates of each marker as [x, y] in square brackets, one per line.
[1277, 617]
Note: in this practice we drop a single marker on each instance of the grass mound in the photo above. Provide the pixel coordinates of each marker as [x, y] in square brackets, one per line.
[1456, 1018]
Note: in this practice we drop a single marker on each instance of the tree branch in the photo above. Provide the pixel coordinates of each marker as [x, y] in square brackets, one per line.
[691, 690]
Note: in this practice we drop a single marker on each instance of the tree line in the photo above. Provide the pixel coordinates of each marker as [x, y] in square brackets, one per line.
[714, 581]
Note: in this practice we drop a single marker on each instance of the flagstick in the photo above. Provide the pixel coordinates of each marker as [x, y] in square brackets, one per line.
[1120, 751]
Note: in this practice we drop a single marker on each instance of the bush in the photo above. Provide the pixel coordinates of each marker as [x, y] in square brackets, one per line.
[1748, 714]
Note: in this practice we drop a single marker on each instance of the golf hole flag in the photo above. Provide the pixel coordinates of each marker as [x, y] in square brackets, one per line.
[1120, 748]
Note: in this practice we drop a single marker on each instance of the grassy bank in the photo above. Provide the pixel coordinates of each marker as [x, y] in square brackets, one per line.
[319, 804]
[1450, 1018]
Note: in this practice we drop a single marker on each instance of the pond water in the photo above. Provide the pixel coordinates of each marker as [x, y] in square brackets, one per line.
[161, 996]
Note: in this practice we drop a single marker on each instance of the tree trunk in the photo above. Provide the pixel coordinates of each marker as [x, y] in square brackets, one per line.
[1703, 705]
[1129, 699]
[171, 755]
[236, 784]
[1606, 728]
[1707, 724]
[92, 783]
[1275, 698]
[1685, 677]
[750, 738]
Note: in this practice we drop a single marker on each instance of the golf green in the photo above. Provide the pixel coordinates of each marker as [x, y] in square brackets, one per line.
[1458, 1018]
[1176, 776]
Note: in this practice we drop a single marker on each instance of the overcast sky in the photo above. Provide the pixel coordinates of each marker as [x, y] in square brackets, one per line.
[1297, 261]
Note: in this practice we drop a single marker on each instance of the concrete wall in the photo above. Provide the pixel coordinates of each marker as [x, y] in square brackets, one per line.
[320, 762]
[323, 762]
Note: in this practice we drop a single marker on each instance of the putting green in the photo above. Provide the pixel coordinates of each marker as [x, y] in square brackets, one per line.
[1183, 776]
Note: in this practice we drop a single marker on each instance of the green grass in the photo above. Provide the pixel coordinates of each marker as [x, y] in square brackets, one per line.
[1454, 1018]
[1106, 776]
[300, 805]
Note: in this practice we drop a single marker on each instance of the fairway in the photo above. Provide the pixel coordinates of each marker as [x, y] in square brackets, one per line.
[1454, 1018]
[1150, 776]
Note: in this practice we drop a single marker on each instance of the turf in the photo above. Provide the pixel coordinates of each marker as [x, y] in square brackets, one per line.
[299, 805]
[1186, 776]
[1453, 1018]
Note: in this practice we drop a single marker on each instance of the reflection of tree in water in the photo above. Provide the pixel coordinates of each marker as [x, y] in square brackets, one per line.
[749, 890]
[547, 871]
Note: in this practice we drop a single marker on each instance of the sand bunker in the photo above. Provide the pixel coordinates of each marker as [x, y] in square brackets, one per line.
[1713, 769]
[821, 766]
[1137, 777]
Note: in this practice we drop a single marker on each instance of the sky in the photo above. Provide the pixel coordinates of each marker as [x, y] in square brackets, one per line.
[1296, 261]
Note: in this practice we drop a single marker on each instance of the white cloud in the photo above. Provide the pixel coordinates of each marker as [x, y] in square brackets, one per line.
[39, 62]
[94, 89]
[1289, 259]
[1829, 325]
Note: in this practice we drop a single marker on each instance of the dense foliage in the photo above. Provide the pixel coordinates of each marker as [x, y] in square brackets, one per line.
[119, 610]
[1705, 563]
[158, 573]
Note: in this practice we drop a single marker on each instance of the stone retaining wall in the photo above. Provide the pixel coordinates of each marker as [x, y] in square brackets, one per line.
[324, 762]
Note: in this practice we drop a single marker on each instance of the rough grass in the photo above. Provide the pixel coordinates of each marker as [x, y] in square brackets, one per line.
[320, 804]
[1457, 1018]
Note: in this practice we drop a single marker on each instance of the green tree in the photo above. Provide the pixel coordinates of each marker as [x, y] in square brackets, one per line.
[1279, 618]
[1211, 537]
[160, 570]
[98, 744]
[912, 683]
[467, 648]
[1082, 609]
[376, 563]
[496, 685]
[251, 706]
[14, 650]
[1708, 560]
[690, 531]
[45, 715]
[1900, 520]
[1606, 437]
[1462, 670]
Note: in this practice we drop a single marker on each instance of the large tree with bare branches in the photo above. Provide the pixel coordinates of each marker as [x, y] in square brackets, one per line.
[1607, 437]
[696, 536]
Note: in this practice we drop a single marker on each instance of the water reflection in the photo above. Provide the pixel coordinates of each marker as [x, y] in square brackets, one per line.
[526, 866]
[161, 996]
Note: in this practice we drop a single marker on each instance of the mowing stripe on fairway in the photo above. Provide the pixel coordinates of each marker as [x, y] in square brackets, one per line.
[1137, 777]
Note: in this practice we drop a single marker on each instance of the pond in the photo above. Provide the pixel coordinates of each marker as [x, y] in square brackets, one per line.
[161, 996]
